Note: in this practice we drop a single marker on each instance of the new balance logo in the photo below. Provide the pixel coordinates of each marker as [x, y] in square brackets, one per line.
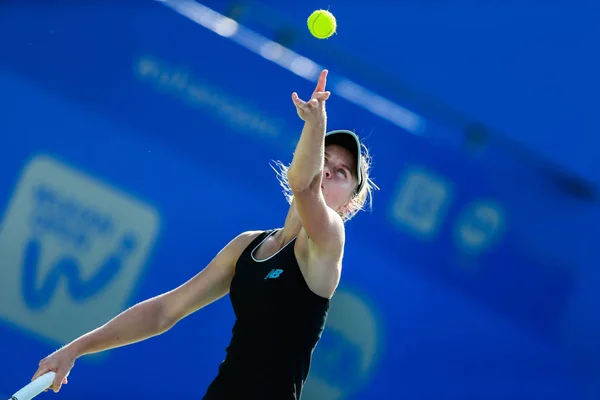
[274, 274]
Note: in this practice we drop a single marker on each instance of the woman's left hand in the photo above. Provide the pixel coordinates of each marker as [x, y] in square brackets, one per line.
[313, 111]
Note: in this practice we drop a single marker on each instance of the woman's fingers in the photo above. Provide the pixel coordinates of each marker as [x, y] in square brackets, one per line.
[322, 96]
[304, 105]
[40, 371]
[297, 101]
[59, 380]
[322, 81]
[312, 106]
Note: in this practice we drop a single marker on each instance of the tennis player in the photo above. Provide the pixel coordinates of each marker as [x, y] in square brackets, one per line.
[280, 281]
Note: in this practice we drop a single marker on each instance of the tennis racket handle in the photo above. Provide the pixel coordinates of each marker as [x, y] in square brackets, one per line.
[35, 387]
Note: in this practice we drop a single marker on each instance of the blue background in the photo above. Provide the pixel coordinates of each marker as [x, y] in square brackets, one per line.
[95, 86]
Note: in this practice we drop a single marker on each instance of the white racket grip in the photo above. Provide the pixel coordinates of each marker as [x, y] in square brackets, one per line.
[35, 387]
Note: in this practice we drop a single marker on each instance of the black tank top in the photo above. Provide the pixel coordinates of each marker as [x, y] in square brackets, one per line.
[279, 321]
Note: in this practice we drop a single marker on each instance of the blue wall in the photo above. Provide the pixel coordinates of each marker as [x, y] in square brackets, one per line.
[135, 143]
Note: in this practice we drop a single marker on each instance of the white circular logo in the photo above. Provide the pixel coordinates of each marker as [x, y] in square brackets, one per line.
[480, 224]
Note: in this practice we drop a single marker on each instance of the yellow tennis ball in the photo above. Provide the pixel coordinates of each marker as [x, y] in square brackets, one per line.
[322, 24]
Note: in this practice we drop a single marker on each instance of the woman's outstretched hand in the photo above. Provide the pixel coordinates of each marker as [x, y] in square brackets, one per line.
[313, 110]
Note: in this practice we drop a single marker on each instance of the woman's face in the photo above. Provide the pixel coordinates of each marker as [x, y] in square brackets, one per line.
[339, 179]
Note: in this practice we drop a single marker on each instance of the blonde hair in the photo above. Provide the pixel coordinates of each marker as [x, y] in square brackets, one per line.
[359, 202]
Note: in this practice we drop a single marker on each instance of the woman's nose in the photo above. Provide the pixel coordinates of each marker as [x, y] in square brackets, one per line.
[327, 172]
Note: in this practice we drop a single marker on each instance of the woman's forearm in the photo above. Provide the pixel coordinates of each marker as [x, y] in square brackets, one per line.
[144, 320]
[308, 158]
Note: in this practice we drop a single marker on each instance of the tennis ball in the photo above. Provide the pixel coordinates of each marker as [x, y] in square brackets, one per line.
[322, 24]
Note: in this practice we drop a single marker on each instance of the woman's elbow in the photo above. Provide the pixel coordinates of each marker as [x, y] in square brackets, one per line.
[165, 316]
[299, 183]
